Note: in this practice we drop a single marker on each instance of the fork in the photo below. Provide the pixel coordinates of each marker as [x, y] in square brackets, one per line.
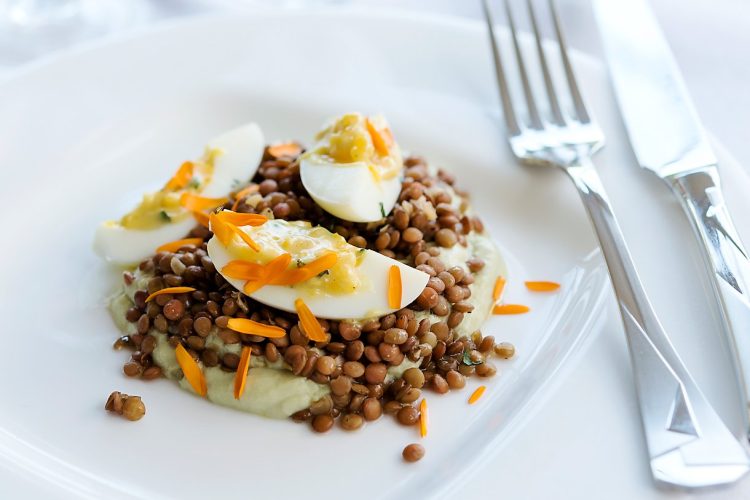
[687, 442]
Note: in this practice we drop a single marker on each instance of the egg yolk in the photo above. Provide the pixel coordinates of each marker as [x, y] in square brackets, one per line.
[305, 244]
[163, 206]
[353, 138]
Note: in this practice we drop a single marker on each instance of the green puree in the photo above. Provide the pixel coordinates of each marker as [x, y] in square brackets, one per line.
[272, 390]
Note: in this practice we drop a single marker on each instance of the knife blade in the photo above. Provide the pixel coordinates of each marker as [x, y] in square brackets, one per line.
[668, 139]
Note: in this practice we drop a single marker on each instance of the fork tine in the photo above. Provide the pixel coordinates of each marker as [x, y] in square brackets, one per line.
[534, 117]
[580, 107]
[509, 114]
[557, 116]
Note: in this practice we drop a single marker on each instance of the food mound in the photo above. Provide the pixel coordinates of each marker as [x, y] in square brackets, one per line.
[335, 282]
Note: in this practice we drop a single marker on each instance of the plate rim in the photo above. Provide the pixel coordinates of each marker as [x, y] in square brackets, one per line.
[79, 479]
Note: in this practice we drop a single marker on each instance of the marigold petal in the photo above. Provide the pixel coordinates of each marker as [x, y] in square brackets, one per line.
[497, 291]
[477, 394]
[244, 237]
[243, 270]
[239, 219]
[172, 290]
[290, 149]
[542, 286]
[510, 309]
[244, 193]
[240, 378]
[181, 178]
[196, 203]
[191, 370]
[423, 418]
[173, 246]
[251, 327]
[395, 288]
[201, 218]
[310, 325]
[381, 140]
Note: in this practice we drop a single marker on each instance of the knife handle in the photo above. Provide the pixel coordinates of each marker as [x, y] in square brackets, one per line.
[674, 411]
[726, 258]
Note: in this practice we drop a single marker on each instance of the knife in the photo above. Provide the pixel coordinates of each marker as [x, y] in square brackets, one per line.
[668, 139]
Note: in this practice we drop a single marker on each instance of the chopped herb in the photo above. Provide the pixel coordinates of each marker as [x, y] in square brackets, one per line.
[361, 250]
[194, 183]
[320, 275]
[467, 359]
[299, 263]
[236, 183]
[382, 209]
[165, 216]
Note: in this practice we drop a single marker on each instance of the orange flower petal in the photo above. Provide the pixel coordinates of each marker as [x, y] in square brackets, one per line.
[542, 286]
[196, 203]
[253, 285]
[243, 270]
[181, 178]
[423, 418]
[304, 273]
[240, 378]
[497, 291]
[277, 266]
[285, 149]
[173, 290]
[510, 309]
[221, 229]
[244, 193]
[310, 325]
[173, 246]
[380, 139]
[251, 327]
[201, 218]
[394, 287]
[191, 370]
[476, 394]
[245, 237]
[238, 219]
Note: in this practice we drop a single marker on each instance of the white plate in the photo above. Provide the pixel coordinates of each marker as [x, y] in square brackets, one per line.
[88, 130]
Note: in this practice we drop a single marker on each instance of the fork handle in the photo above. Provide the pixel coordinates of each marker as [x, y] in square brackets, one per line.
[673, 410]
[727, 260]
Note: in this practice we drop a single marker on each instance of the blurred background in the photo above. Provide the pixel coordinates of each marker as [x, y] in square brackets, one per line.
[710, 38]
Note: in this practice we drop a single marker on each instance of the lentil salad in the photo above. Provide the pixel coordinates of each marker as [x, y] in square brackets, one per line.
[362, 369]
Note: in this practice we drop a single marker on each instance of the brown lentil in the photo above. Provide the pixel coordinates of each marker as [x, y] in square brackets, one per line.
[151, 373]
[439, 384]
[131, 369]
[413, 452]
[505, 350]
[375, 373]
[455, 379]
[133, 408]
[351, 421]
[407, 415]
[486, 370]
[173, 309]
[322, 423]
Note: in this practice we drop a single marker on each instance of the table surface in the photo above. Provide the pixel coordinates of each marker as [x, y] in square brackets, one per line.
[547, 459]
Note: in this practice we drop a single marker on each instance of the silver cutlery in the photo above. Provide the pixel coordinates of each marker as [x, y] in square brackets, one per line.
[668, 140]
[688, 444]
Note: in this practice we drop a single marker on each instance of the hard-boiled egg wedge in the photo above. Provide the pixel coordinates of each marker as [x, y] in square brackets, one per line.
[170, 213]
[354, 171]
[297, 261]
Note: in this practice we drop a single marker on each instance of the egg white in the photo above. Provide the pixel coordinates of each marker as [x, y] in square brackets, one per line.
[349, 191]
[240, 153]
[367, 301]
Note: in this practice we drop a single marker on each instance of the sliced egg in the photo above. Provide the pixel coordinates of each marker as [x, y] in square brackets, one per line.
[355, 169]
[163, 216]
[356, 286]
